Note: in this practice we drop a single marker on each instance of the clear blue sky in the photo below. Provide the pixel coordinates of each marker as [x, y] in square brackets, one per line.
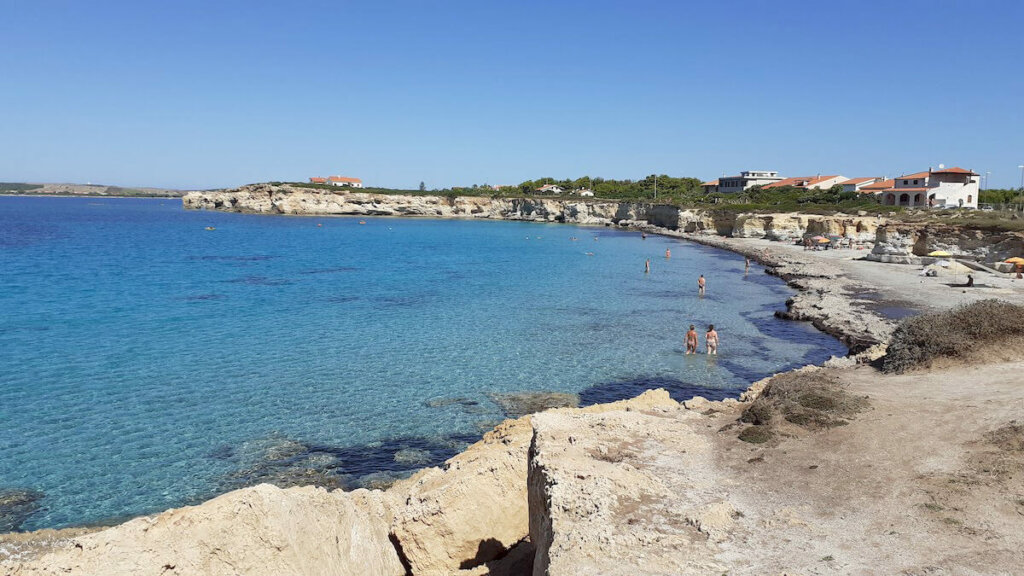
[213, 93]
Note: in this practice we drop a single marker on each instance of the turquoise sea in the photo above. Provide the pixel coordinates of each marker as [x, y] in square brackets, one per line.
[147, 363]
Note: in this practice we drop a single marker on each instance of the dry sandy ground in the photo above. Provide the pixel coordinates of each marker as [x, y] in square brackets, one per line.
[918, 484]
[928, 479]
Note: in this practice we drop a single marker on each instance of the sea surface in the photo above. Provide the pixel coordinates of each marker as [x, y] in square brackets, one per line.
[147, 363]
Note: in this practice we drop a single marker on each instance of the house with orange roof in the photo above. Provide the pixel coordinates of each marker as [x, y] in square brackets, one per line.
[318, 180]
[550, 189]
[711, 186]
[819, 182]
[943, 188]
[876, 187]
[344, 181]
[858, 184]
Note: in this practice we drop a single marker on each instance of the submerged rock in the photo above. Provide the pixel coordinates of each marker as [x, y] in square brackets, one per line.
[16, 506]
[518, 404]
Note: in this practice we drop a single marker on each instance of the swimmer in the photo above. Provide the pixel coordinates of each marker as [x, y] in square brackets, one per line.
[647, 266]
[711, 338]
[668, 253]
[691, 340]
[643, 235]
[746, 264]
[700, 285]
[319, 225]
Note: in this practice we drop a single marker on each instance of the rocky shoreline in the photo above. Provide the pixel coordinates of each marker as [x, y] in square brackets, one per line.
[641, 486]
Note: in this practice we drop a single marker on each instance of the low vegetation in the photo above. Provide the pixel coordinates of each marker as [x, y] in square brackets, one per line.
[976, 330]
[811, 400]
[18, 187]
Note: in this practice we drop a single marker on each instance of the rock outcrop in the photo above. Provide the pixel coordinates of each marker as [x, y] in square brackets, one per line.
[285, 199]
[253, 531]
[904, 242]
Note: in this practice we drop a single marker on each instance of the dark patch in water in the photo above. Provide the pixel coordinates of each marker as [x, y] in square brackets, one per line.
[258, 258]
[259, 281]
[401, 301]
[204, 297]
[16, 506]
[623, 389]
[330, 270]
[342, 299]
[287, 463]
[225, 452]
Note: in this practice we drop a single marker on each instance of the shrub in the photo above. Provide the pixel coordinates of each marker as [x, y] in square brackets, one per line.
[957, 333]
[813, 399]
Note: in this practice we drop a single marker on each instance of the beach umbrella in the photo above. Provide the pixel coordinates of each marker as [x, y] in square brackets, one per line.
[818, 238]
[1015, 260]
[823, 240]
[939, 253]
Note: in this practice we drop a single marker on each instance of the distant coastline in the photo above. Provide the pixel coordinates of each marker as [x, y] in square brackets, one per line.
[85, 190]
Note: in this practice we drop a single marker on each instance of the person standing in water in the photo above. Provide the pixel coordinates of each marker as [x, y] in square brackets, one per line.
[668, 253]
[746, 263]
[700, 285]
[691, 340]
[711, 338]
[647, 266]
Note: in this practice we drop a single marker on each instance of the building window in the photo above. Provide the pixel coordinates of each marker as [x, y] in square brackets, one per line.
[905, 182]
[915, 182]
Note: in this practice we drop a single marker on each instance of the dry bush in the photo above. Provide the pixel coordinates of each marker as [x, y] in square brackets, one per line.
[957, 333]
[813, 400]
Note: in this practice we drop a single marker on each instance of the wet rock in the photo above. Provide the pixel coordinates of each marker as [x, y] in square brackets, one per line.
[413, 457]
[16, 506]
[522, 403]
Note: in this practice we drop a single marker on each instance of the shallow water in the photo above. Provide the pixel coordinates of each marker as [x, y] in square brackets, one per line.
[147, 363]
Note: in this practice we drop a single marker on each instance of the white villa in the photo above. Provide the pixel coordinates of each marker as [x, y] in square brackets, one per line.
[585, 192]
[745, 180]
[942, 188]
[550, 189]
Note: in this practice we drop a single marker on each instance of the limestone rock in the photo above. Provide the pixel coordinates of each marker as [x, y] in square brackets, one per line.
[262, 530]
[474, 508]
[624, 492]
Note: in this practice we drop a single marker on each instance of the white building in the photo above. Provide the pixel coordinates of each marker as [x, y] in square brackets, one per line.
[550, 189]
[344, 181]
[585, 192]
[858, 184]
[942, 188]
[745, 180]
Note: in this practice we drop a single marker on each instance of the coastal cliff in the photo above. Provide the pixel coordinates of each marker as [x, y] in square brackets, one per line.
[284, 199]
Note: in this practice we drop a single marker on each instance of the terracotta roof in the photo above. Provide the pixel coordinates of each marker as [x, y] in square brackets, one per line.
[343, 179]
[858, 180]
[801, 181]
[317, 180]
[955, 170]
[915, 175]
[711, 183]
[794, 181]
[905, 190]
[879, 186]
